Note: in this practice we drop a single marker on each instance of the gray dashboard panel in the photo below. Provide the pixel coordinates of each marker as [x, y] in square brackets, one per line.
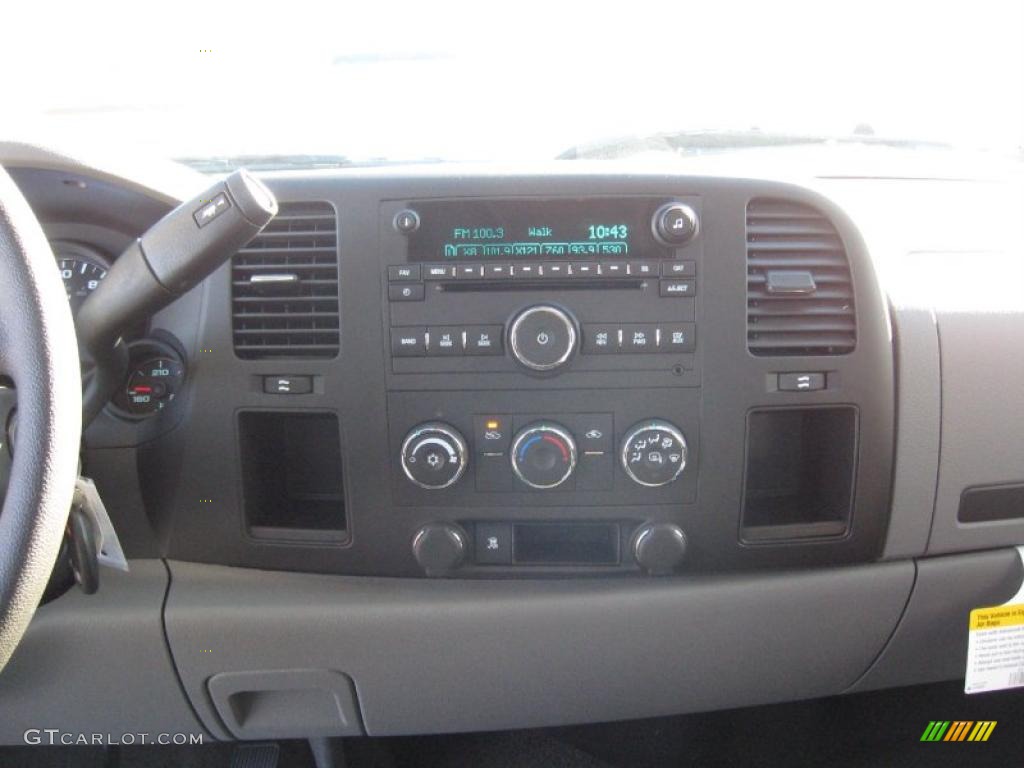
[982, 422]
[446, 655]
[97, 664]
[918, 421]
[930, 643]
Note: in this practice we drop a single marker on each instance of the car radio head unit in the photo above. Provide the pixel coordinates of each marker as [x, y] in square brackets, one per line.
[543, 229]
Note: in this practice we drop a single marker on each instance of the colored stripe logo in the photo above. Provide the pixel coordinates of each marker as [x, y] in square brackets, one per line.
[958, 730]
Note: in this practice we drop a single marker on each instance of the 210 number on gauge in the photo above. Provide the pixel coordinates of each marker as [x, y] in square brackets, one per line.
[151, 385]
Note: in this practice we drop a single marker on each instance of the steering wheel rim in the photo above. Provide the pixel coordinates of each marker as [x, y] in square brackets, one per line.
[39, 353]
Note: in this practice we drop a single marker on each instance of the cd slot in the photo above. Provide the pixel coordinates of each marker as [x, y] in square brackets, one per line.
[575, 284]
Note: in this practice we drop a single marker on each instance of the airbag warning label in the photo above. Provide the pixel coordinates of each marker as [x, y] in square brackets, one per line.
[995, 646]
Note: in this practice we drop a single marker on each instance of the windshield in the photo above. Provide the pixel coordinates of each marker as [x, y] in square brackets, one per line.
[301, 84]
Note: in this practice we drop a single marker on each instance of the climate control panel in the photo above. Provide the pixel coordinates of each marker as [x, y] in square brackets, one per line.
[530, 454]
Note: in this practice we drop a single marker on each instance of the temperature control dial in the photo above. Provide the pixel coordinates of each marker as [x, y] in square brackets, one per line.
[543, 455]
[654, 453]
[434, 455]
[542, 338]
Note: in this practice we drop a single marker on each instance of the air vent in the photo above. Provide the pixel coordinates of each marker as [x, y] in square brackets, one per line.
[799, 291]
[284, 286]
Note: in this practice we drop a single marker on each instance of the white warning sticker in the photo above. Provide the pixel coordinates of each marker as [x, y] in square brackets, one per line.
[995, 645]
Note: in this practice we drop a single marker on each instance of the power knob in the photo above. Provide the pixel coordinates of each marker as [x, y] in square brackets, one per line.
[543, 337]
[439, 548]
[659, 547]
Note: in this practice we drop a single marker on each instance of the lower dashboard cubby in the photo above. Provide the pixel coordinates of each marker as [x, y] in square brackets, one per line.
[291, 475]
[799, 477]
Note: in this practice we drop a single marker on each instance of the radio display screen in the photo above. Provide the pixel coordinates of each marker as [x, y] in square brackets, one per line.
[542, 229]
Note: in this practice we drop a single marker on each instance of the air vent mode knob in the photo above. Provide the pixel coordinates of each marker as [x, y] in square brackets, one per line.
[434, 455]
[659, 547]
[675, 223]
[543, 337]
[543, 455]
[439, 548]
[653, 453]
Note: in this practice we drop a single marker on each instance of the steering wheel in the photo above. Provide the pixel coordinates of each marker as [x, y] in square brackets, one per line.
[39, 354]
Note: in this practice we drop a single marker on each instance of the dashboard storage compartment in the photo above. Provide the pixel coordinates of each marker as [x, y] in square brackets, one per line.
[566, 543]
[292, 475]
[799, 473]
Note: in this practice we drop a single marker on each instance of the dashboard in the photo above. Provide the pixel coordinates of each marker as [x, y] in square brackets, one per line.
[538, 384]
[648, 414]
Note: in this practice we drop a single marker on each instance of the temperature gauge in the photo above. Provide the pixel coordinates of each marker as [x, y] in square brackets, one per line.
[155, 377]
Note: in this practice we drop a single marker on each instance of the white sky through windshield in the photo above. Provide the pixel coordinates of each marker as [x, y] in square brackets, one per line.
[505, 82]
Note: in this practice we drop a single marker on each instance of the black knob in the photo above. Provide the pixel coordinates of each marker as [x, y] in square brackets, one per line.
[659, 547]
[434, 455]
[439, 548]
[542, 338]
[675, 223]
[653, 453]
[407, 221]
[543, 455]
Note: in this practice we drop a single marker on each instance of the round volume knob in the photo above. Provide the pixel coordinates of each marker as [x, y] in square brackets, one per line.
[675, 223]
[659, 547]
[653, 453]
[439, 548]
[434, 455]
[543, 455]
[542, 338]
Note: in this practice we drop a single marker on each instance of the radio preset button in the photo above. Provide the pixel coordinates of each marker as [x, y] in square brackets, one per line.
[406, 292]
[469, 271]
[614, 269]
[542, 338]
[526, 271]
[677, 288]
[556, 269]
[497, 271]
[585, 269]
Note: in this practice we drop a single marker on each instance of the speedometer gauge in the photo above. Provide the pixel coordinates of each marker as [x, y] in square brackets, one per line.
[81, 269]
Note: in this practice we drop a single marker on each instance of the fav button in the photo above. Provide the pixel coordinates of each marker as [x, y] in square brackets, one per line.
[408, 272]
